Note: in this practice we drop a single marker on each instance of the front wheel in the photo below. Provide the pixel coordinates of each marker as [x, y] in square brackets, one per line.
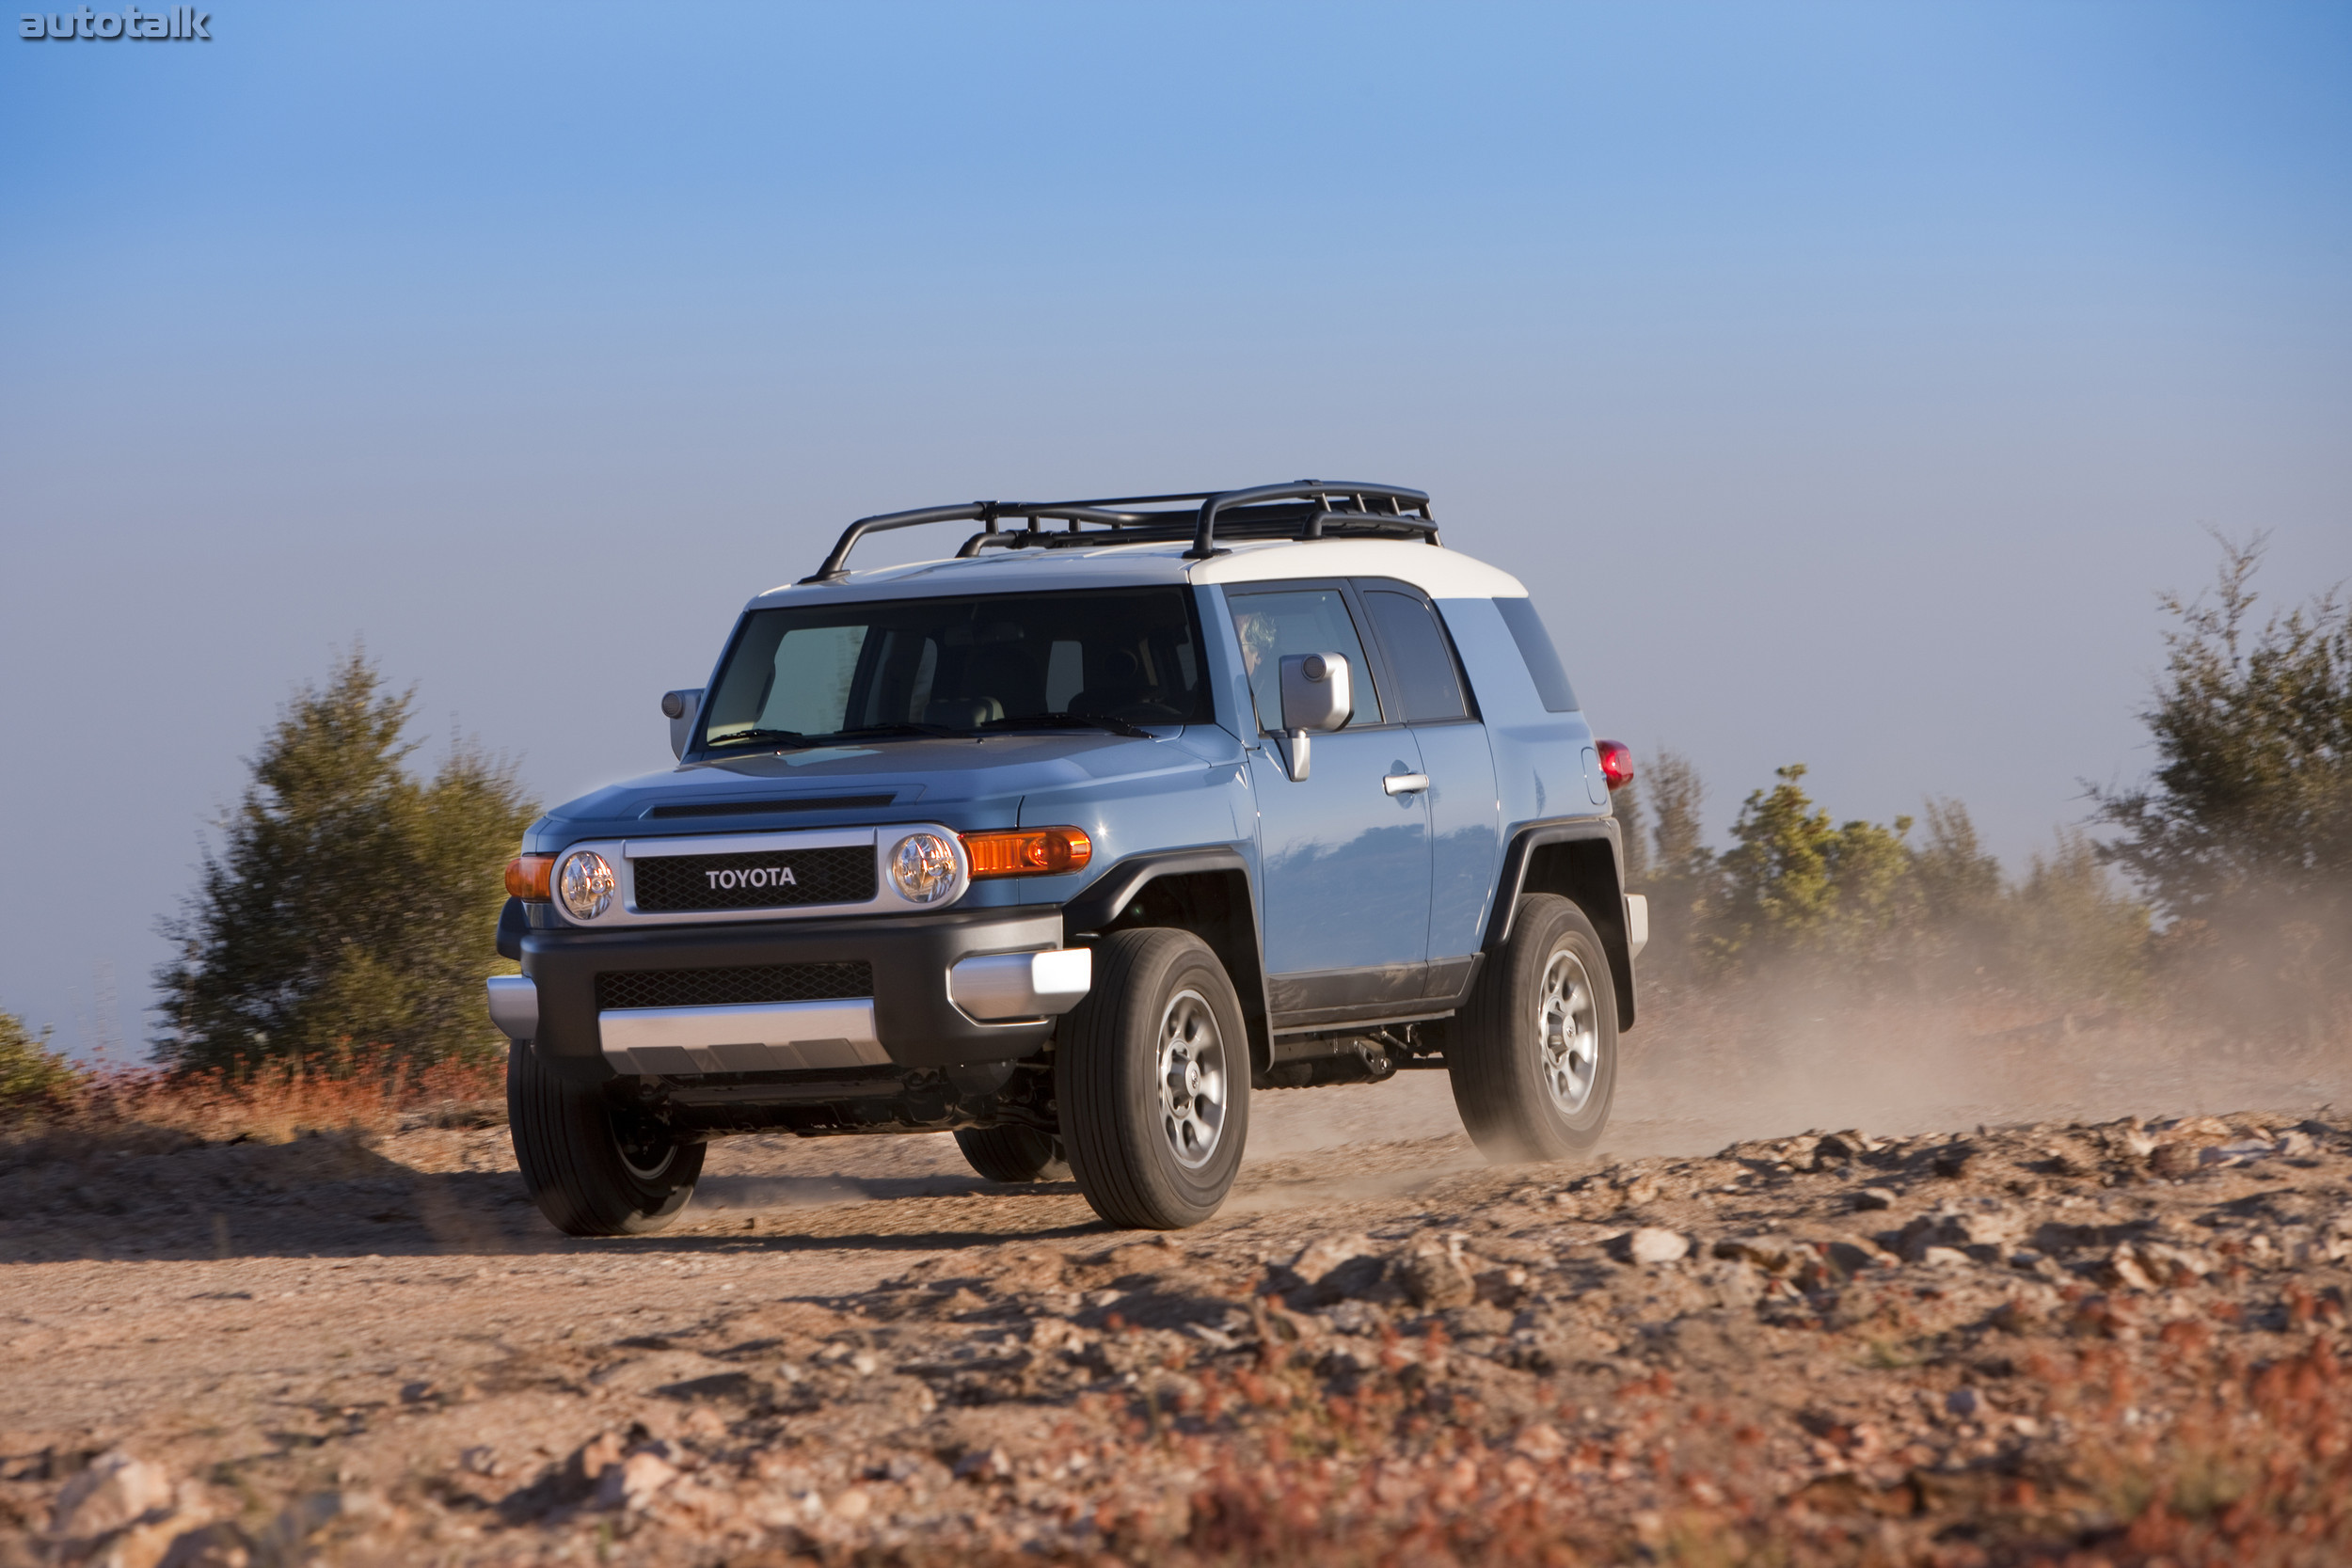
[594, 1164]
[1152, 1076]
[1534, 1057]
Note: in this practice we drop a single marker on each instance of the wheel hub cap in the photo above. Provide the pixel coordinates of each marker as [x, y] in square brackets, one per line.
[1566, 1026]
[1192, 1082]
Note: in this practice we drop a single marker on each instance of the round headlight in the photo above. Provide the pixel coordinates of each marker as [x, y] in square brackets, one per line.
[585, 885]
[924, 867]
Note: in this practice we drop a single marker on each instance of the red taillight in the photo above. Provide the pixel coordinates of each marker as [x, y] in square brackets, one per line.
[1616, 763]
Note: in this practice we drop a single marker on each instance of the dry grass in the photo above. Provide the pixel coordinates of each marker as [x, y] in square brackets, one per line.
[363, 1090]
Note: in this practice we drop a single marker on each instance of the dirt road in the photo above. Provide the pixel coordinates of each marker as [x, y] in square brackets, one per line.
[374, 1350]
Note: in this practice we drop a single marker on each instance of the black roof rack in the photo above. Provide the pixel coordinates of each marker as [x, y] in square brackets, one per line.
[1305, 509]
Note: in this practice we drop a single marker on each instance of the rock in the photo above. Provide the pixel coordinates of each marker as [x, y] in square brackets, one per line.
[215, 1546]
[1652, 1245]
[1848, 1144]
[1339, 1269]
[631, 1484]
[984, 1465]
[115, 1491]
[1963, 1402]
[2174, 1160]
[1737, 1283]
[1874, 1197]
[1954, 1227]
[1772, 1254]
[1319, 1258]
[1847, 1259]
[1942, 1257]
[2123, 1267]
[139, 1546]
[590, 1461]
[1435, 1276]
[852, 1505]
[1540, 1442]
[303, 1518]
[1954, 1161]
[481, 1460]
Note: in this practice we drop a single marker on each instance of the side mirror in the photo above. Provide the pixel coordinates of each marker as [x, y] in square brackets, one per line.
[1318, 696]
[681, 709]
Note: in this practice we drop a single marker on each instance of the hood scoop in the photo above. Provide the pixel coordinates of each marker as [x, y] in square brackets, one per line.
[765, 808]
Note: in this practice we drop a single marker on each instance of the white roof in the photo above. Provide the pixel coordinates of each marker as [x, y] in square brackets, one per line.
[1442, 574]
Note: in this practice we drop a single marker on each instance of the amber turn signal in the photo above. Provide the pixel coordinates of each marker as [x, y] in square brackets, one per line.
[528, 878]
[1027, 852]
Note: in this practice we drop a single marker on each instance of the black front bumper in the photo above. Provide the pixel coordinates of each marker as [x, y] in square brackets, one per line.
[910, 953]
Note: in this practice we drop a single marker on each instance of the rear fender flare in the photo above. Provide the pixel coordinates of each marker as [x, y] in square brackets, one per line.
[1582, 860]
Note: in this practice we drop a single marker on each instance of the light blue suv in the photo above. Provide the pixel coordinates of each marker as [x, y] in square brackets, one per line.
[1070, 842]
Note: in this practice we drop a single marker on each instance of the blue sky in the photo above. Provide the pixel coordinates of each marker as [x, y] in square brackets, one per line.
[1844, 379]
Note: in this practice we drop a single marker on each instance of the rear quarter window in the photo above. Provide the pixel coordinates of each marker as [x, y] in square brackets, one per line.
[1542, 658]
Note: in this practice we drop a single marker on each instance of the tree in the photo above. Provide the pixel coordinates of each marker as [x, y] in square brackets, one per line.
[1792, 885]
[350, 903]
[1668, 862]
[1961, 893]
[2243, 837]
[2068, 936]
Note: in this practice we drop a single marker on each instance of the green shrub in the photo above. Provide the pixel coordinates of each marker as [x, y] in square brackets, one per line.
[31, 1075]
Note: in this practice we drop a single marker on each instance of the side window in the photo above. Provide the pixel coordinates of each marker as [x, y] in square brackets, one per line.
[1428, 686]
[1543, 660]
[1272, 626]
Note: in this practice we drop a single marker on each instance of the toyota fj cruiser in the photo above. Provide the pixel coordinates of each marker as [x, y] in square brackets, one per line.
[1070, 843]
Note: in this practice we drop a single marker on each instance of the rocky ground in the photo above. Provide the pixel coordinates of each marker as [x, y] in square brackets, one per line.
[2068, 1340]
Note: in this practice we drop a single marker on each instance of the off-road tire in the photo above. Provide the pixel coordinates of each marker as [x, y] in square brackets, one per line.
[1121, 1149]
[568, 1141]
[1013, 1154]
[1496, 1050]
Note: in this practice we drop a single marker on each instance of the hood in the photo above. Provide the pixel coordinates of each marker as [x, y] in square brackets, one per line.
[964, 783]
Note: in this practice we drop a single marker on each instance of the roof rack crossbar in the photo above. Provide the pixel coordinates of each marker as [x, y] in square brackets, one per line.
[1204, 541]
[1117, 515]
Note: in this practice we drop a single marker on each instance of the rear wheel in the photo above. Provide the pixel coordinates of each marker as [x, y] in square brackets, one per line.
[1013, 1154]
[594, 1164]
[1534, 1057]
[1152, 1074]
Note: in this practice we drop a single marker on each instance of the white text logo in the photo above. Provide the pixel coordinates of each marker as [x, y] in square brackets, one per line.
[758, 876]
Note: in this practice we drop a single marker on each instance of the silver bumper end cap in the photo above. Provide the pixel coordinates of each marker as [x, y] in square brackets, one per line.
[515, 1006]
[1002, 988]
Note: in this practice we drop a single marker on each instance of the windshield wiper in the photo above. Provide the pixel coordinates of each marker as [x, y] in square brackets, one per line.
[792, 738]
[1074, 721]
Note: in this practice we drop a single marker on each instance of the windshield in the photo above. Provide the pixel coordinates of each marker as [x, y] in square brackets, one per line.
[1111, 658]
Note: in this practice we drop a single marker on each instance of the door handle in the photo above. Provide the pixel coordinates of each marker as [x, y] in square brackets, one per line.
[1404, 783]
